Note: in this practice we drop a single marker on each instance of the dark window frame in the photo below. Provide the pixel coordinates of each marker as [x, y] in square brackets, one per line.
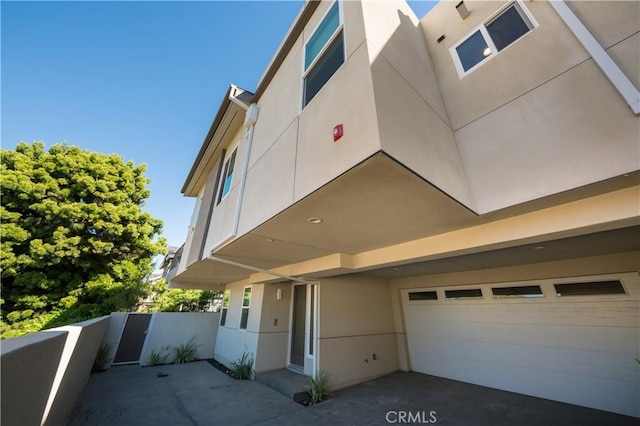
[327, 60]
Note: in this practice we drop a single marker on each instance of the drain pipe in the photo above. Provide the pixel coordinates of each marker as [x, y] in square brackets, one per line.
[251, 116]
[621, 82]
[255, 269]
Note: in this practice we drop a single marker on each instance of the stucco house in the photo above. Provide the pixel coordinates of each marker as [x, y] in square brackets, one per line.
[456, 195]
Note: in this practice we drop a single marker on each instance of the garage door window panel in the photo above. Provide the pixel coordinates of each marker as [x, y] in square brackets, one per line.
[597, 288]
[423, 295]
[529, 291]
[474, 293]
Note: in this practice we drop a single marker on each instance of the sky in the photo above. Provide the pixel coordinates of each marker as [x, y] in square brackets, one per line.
[140, 79]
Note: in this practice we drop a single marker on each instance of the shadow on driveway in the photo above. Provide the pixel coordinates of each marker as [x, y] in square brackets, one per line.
[198, 394]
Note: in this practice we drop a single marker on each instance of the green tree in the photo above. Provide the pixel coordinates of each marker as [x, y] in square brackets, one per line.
[167, 299]
[74, 235]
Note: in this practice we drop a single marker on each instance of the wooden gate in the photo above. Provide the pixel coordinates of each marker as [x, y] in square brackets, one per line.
[132, 340]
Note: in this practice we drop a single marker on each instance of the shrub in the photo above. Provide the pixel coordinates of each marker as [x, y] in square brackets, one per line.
[185, 353]
[102, 357]
[242, 369]
[158, 357]
[318, 388]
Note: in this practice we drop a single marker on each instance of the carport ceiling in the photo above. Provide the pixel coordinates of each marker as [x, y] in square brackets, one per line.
[600, 243]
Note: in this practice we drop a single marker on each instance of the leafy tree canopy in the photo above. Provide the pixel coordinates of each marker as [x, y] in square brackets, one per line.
[167, 299]
[73, 233]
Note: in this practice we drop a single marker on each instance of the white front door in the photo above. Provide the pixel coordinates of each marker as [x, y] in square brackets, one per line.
[303, 329]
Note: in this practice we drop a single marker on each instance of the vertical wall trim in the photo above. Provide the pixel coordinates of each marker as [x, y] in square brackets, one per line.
[613, 72]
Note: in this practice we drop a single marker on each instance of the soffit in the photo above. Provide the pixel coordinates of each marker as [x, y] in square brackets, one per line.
[226, 123]
[600, 243]
[376, 204]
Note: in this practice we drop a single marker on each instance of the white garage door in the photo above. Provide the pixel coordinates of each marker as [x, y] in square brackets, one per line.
[574, 340]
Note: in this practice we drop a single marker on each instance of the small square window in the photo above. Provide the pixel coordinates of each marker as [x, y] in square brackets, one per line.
[490, 38]
[473, 50]
[508, 27]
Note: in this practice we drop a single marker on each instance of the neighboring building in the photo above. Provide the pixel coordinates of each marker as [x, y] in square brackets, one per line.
[171, 262]
[458, 197]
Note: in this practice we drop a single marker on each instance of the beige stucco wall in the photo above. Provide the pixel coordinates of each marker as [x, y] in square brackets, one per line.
[621, 40]
[540, 117]
[112, 335]
[273, 339]
[355, 322]
[170, 329]
[412, 119]
[44, 373]
[29, 364]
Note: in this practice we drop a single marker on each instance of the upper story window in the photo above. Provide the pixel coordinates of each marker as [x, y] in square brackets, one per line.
[227, 176]
[503, 29]
[196, 213]
[323, 53]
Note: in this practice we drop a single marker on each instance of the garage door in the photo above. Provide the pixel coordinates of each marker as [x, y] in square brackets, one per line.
[574, 340]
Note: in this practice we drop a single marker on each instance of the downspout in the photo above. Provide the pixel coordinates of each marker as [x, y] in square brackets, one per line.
[620, 81]
[251, 116]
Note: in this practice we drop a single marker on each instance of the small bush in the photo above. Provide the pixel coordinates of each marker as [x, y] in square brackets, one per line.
[318, 388]
[185, 353]
[242, 369]
[158, 357]
[102, 357]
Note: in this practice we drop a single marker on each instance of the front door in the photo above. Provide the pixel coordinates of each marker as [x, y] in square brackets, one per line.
[298, 325]
[303, 329]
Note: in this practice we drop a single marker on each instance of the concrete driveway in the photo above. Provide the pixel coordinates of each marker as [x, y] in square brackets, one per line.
[198, 394]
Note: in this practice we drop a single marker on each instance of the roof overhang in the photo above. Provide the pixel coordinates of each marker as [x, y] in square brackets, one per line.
[226, 123]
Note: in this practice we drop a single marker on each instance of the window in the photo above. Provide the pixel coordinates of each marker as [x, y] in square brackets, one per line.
[589, 288]
[225, 307]
[194, 217]
[246, 302]
[423, 295]
[463, 294]
[227, 176]
[515, 292]
[493, 36]
[323, 53]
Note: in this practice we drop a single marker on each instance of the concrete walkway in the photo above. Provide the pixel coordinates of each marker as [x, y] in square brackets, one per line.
[199, 394]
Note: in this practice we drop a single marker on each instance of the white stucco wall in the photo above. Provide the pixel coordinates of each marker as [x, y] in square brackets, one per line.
[170, 329]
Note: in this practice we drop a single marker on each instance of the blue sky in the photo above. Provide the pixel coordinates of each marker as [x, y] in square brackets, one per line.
[140, 79]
